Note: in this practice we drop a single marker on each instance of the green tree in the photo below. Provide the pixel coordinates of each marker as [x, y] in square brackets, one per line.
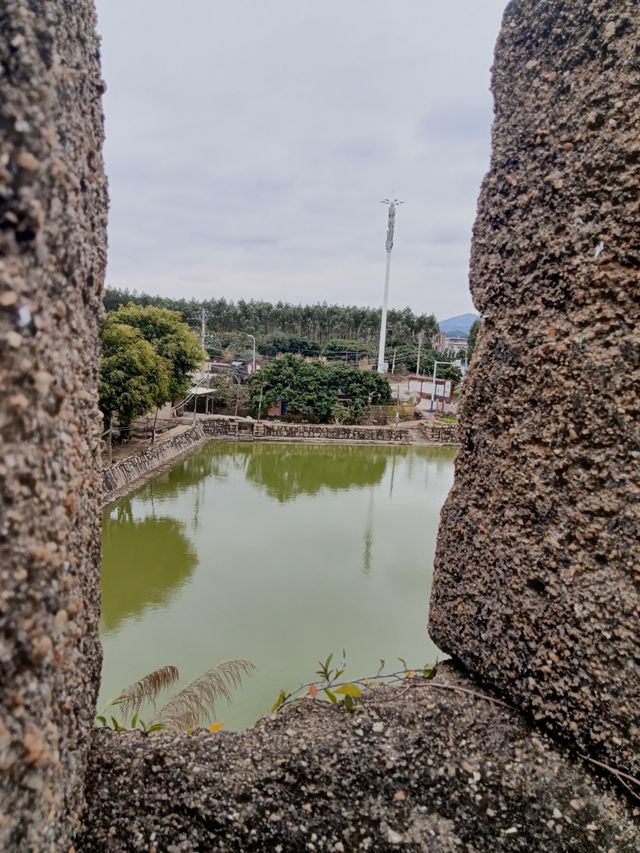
[473, 335]
[172, 339]
[312, 389]
[133, 377]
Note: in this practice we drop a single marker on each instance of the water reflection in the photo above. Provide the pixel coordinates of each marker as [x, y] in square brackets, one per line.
[289, 470]
[191, 472]
[368, 537]
[143, 562]
[217, 558]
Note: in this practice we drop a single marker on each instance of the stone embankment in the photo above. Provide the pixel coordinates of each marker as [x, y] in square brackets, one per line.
[134, 470]
[270, 431]
[128, 474]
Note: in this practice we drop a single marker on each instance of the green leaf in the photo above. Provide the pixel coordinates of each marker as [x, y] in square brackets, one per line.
[324, 671]
[428, 672]
[279, 701]
[116, 725]
[350, 690]
[155, 727]
[404, 663]
[332, 697]
[134, 721]
[349, 704]
[101, 719]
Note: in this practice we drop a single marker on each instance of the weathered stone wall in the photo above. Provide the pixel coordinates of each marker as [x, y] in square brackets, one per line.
[52, 257]
[124, 475]
[536, 583]
[428, 768]
[267, 430]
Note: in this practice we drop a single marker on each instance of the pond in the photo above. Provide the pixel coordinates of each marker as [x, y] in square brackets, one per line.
[277, 553]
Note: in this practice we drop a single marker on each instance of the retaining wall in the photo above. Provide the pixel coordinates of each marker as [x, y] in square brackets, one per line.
[127, 474]
[268, 431]
[123, 476]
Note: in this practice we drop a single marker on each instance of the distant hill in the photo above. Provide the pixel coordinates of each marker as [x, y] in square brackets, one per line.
[458, 327]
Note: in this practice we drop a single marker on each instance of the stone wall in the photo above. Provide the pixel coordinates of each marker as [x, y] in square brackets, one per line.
[271, 431]
[126, 474]
[436, 433]
[52, 257]
[536, 582]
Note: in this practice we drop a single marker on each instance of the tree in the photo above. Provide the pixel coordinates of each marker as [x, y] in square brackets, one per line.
[172, 339]
[133, 377]
[471, 340]
[312, 389]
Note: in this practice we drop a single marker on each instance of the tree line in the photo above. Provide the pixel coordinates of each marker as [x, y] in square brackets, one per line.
[319, 323]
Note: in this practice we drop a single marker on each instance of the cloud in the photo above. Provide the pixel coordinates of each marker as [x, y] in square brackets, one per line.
[249, 144]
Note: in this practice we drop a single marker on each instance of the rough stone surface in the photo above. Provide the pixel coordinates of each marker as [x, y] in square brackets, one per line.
[424, 769]
[52, 256]
[275, 431]
[536, 582]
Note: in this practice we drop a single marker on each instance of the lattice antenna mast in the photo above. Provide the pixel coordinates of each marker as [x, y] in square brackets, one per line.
[392, 204]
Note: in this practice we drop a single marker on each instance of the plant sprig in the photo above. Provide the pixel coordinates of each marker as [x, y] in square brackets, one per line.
[347, 693]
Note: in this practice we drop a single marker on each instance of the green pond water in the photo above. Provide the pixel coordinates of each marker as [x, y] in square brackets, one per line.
[277, 553]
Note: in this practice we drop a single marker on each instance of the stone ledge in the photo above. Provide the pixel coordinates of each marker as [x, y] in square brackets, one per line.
[426, 769]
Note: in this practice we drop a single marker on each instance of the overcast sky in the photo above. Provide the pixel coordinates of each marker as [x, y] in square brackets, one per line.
[249, 143]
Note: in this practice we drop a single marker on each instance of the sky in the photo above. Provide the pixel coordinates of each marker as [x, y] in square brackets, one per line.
[249, 144]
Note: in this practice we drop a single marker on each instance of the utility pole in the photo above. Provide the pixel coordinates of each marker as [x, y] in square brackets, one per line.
[420, 336]
[203, 317]
[392, 203]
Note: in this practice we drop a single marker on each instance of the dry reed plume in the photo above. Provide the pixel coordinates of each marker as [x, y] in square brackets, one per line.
[147, 689]
[194, 704]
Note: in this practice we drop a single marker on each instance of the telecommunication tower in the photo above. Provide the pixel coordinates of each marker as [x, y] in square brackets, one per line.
[392, 204]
